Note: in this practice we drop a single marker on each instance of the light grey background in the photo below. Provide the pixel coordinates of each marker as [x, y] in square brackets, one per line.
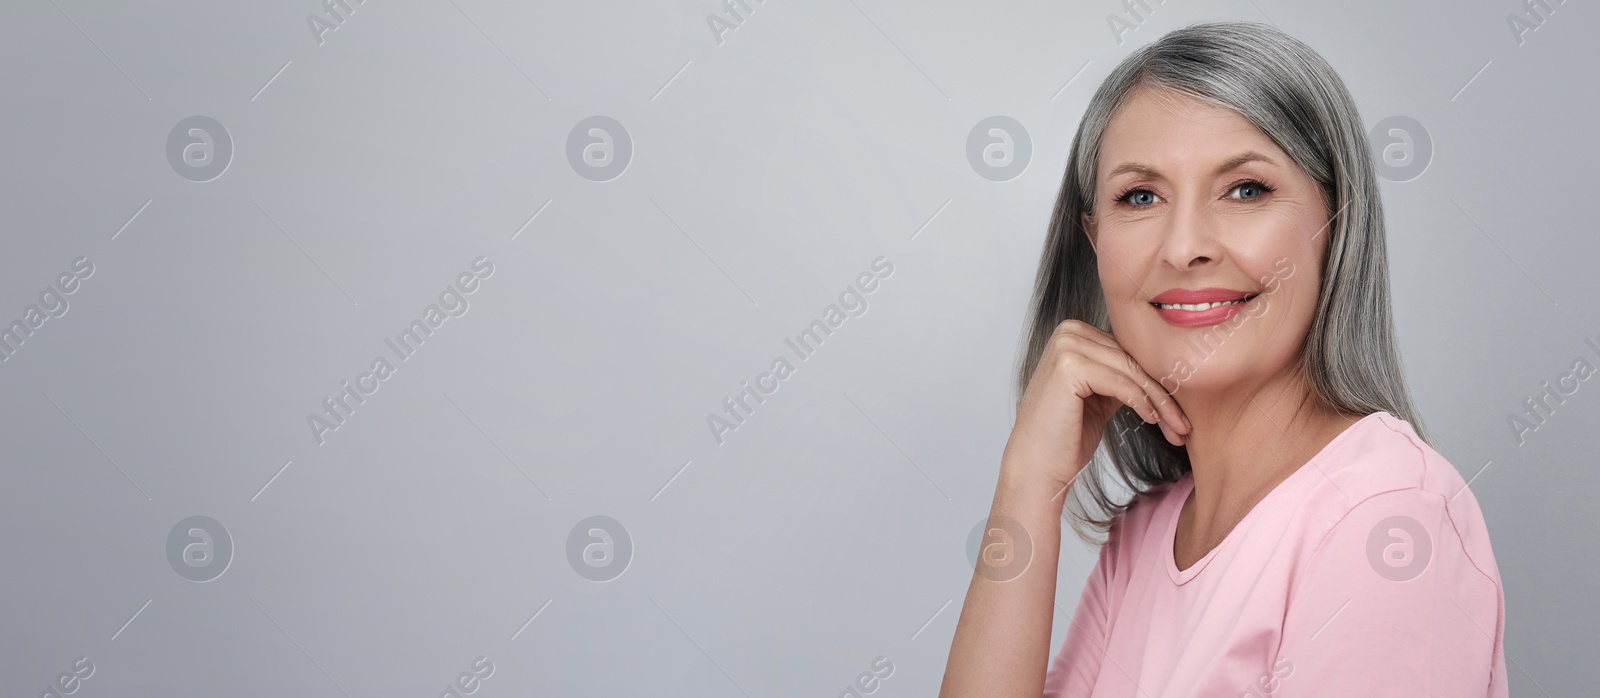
[767, 172]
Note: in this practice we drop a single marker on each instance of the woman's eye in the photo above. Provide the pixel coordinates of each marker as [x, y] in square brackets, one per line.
[1138, 198]
[1250, 190]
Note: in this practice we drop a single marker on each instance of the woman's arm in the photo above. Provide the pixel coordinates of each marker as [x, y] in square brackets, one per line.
[1002, 641]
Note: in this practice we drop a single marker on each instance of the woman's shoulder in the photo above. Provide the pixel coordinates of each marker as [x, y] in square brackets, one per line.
[1381, 454]
[1389, 561]
[1379, 473]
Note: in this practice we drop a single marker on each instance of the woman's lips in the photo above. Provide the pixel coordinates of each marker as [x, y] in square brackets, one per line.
[1179, 317]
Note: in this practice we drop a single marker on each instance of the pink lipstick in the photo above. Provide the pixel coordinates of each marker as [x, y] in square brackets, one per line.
[1203, 307]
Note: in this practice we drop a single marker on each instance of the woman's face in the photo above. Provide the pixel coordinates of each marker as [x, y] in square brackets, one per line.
[1192, 197]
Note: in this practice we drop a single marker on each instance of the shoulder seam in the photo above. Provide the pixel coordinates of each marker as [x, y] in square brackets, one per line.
[1446, 506]
[1334, 525]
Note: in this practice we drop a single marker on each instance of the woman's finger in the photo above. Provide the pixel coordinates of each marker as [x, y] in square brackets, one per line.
[1102, 379]
[1094, 348]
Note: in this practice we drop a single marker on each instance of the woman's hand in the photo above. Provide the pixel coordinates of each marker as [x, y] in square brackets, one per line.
[1082, 378]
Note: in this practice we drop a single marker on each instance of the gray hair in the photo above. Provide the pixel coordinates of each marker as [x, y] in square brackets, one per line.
[1292, 95]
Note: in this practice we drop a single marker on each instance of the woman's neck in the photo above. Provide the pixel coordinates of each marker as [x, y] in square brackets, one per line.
[1244, 443]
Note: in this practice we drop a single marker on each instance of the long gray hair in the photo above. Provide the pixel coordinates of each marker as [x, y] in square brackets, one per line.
[1349, 359]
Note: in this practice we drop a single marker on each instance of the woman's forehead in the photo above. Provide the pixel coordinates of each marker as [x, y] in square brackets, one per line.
[1165, 132]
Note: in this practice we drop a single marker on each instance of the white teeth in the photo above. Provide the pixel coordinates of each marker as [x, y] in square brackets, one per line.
[1198, 306]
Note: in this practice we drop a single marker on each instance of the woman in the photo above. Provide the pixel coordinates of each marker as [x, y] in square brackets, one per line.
[1212, 307]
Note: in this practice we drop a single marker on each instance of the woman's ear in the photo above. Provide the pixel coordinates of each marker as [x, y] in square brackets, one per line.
[1086, 220]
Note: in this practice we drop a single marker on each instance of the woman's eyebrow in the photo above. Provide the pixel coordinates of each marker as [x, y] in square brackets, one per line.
[1231, 163]
[1242, 158]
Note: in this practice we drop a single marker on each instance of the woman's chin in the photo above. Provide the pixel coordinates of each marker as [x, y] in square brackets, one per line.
[1182, 373]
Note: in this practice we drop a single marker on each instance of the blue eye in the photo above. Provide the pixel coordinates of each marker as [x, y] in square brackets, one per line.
[1137, 198]
[1258, 188]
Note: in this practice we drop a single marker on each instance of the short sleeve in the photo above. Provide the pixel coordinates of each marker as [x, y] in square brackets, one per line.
[1393, 603]
[1073, 670]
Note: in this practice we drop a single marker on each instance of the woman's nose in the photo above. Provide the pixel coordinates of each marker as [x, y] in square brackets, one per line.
[1189, 236]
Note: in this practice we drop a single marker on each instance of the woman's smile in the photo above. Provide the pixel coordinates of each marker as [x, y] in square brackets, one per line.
[1184, 307]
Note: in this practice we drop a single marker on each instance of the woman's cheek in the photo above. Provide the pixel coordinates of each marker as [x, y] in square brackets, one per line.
[1271, 282]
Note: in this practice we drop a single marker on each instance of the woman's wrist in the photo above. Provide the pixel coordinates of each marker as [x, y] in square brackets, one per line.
[1025, 482]
[1034, 500]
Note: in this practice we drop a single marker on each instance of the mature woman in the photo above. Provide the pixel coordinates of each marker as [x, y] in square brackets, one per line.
[1212, 308]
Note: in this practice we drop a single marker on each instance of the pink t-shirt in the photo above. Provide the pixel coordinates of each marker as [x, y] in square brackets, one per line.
[1367, 572]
